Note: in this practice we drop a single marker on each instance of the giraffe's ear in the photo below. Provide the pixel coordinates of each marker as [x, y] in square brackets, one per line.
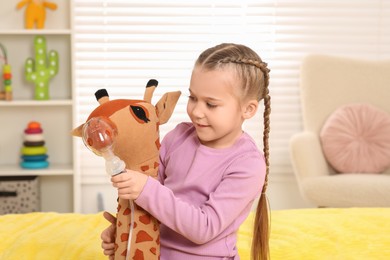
[166, 105]
[77, 131]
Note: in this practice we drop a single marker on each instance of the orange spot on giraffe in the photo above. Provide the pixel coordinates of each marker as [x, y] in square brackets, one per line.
[144, 168]
[158, 240]
[156, 164]
[119, 223]
[158, 145]
[153, 250]
[145, 219]
[142, 236]
[124, 237]
[124, 253]
[127, 212]
[138, 255]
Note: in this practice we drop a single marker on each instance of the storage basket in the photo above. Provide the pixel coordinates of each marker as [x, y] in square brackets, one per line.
[19, 194]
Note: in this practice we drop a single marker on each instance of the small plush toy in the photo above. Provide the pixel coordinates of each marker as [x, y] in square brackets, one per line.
[35, 12]
[131, 129]
[43, 69]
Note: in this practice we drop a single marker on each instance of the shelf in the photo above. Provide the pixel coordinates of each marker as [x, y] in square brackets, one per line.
[57, 183]
[52, 170]
[37, 103]
[35, 32]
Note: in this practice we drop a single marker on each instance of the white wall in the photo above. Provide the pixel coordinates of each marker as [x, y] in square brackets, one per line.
[283, 193]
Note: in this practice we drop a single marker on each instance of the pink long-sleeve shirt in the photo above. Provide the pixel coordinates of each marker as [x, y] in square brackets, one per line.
[205, 194]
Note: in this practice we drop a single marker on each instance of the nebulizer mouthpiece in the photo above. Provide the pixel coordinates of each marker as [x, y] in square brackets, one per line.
[98, 135]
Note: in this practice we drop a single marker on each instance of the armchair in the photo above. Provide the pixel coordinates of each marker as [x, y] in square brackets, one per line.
[327, 83]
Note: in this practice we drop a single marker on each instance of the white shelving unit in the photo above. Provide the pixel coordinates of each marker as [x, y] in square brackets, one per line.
[58, 189]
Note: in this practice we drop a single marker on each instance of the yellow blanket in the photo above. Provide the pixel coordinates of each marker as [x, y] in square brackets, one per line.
[325, 234]
[296, 234]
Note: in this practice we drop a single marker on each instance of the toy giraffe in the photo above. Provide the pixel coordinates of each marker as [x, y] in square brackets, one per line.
[137, 144]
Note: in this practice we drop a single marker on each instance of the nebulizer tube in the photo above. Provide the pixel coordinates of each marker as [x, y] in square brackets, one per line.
[98, 135]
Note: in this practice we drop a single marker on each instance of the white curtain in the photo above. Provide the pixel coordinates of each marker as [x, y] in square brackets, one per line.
[120, 44]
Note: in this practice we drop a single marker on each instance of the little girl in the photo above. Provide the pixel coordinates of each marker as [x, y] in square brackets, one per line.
[210, 170]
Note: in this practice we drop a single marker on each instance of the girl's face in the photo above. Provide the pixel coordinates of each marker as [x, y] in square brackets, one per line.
[214, 107]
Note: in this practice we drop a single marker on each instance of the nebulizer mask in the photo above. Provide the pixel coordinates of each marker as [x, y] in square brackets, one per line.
[98, 135]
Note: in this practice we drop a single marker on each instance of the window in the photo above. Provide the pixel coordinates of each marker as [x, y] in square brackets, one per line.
[120, 44]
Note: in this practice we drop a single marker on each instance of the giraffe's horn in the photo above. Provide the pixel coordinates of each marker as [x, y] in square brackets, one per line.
[102, 96]
[150, 87]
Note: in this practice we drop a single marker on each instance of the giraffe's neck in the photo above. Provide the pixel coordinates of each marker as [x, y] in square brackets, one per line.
[145, 240]
[148, 167]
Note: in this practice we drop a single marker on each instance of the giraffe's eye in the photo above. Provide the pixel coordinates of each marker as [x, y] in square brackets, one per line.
[140, 114]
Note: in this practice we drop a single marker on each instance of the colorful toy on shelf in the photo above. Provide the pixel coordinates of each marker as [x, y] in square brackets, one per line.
[34, 153]
[35, 12]
[42, 69]
[7, 76]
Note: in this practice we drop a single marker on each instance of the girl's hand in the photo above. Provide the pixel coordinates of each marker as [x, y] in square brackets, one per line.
[129, 184]
[108, 236]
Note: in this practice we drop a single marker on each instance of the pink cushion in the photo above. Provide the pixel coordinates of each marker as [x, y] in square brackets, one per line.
[356, 139]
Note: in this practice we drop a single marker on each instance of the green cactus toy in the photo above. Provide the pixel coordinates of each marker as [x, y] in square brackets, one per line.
[39, 72]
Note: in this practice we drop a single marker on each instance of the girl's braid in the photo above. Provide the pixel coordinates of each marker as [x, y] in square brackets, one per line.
[258, 64]
[267, 106]
[261, 225]
[266, 116]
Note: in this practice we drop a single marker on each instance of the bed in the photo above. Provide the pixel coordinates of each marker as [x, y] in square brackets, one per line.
[326, 233]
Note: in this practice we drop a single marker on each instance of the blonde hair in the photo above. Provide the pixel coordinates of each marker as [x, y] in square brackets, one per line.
[254, 75]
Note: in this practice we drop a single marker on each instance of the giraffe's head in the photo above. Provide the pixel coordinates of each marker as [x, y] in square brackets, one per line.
[134, 122]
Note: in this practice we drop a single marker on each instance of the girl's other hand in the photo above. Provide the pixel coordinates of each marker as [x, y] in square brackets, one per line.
[129, 184]
[108, 236]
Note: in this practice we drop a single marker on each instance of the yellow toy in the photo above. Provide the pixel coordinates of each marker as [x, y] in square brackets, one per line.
[35, 12]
